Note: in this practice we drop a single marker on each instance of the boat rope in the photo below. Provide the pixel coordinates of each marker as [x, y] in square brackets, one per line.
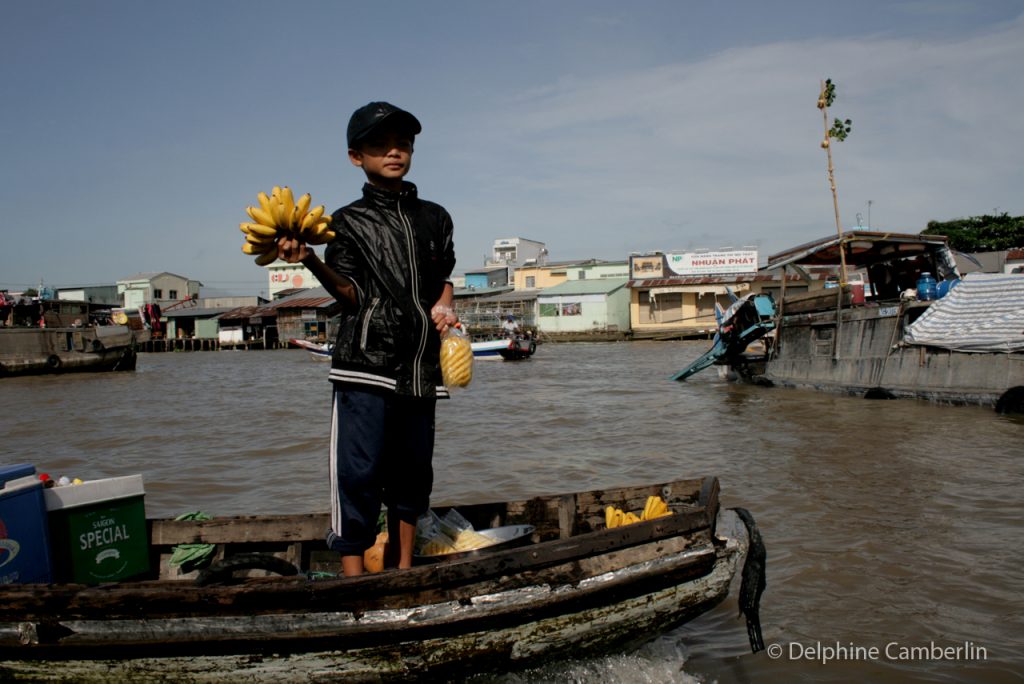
[753, 580]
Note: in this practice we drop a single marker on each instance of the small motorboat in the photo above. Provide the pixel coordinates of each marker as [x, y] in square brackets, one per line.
[509, 349]
[319, 351]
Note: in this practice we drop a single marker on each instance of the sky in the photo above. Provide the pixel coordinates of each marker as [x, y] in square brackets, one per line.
[134, 134]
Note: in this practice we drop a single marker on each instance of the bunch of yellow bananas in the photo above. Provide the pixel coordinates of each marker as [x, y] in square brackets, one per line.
[281, 214]
[655, 508]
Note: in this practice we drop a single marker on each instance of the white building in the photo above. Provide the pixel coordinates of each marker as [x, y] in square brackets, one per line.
[163, 289]
[284, 276]
[577, 306]
[517, 251]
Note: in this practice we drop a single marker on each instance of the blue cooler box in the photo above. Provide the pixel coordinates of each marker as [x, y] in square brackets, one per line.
[24, 530]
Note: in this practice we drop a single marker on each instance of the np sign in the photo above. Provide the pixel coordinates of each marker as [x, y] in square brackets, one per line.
[713, 263]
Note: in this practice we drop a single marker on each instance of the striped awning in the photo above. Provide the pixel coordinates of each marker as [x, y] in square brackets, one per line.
[983, 313]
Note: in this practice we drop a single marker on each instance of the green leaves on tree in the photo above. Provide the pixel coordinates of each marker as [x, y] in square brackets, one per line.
[840, 129]
[828, 95]
[985, 233]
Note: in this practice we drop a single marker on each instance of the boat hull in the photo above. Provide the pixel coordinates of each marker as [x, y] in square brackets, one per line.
[44, 351]
[861, 357]
[317, 351]
[504, 349]
[542, 631]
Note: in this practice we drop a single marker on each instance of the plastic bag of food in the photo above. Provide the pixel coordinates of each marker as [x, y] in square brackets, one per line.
[470, 540]
[456, 358]
[430, 539]
[453, 522]
[461, 531]
[436, 536]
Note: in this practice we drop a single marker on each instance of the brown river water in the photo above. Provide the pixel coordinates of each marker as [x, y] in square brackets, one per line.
[893, 528]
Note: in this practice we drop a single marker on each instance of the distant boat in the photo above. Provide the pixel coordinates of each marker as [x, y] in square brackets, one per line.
[509, 349]
[43, 337]
[320, 351]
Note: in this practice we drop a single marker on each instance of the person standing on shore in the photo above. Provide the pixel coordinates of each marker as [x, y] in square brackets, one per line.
[389, 266]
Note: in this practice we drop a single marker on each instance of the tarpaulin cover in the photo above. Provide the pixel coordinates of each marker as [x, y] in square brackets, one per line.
[984, 313]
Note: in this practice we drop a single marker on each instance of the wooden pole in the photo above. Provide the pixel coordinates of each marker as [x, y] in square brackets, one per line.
[827, 144]
[832, 184]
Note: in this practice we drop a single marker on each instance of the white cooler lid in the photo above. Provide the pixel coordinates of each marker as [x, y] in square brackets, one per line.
[93, 491]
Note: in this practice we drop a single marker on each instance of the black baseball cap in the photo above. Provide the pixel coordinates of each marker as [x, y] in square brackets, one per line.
[369, 117]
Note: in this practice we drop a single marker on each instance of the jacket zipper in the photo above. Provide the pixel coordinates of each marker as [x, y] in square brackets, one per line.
[366, 323]
[414, 275]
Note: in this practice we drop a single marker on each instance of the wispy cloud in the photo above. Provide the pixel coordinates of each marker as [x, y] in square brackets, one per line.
[727, 147]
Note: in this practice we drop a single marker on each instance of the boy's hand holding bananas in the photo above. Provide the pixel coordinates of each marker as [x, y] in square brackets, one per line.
[279, 214]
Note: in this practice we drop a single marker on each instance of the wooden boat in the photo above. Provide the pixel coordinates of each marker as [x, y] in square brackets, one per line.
[886, 342]
[509, 349]
[575, 588]
[47, 337]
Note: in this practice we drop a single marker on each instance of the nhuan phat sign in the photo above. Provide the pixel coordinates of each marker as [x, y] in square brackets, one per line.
[713, 263]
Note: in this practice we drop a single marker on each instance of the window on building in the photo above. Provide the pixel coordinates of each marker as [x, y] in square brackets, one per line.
[572, 309]
[582, 275]
[548, 310]
[173, 294]
[531, 281]
[158, 293]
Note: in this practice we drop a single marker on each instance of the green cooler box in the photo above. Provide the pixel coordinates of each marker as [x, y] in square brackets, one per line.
[98, 530]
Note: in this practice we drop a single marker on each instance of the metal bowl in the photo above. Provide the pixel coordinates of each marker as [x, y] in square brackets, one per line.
[507, 537]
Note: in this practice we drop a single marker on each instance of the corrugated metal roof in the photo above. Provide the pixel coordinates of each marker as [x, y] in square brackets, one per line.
[580, 287]
[311, 298]
[290, 292]
[247, 312]
[302, 293]
[304, 303]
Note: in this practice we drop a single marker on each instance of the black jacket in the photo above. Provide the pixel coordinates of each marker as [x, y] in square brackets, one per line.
[398, 252]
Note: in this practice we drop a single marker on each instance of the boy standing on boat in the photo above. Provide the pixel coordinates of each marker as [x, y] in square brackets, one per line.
[389, 267]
